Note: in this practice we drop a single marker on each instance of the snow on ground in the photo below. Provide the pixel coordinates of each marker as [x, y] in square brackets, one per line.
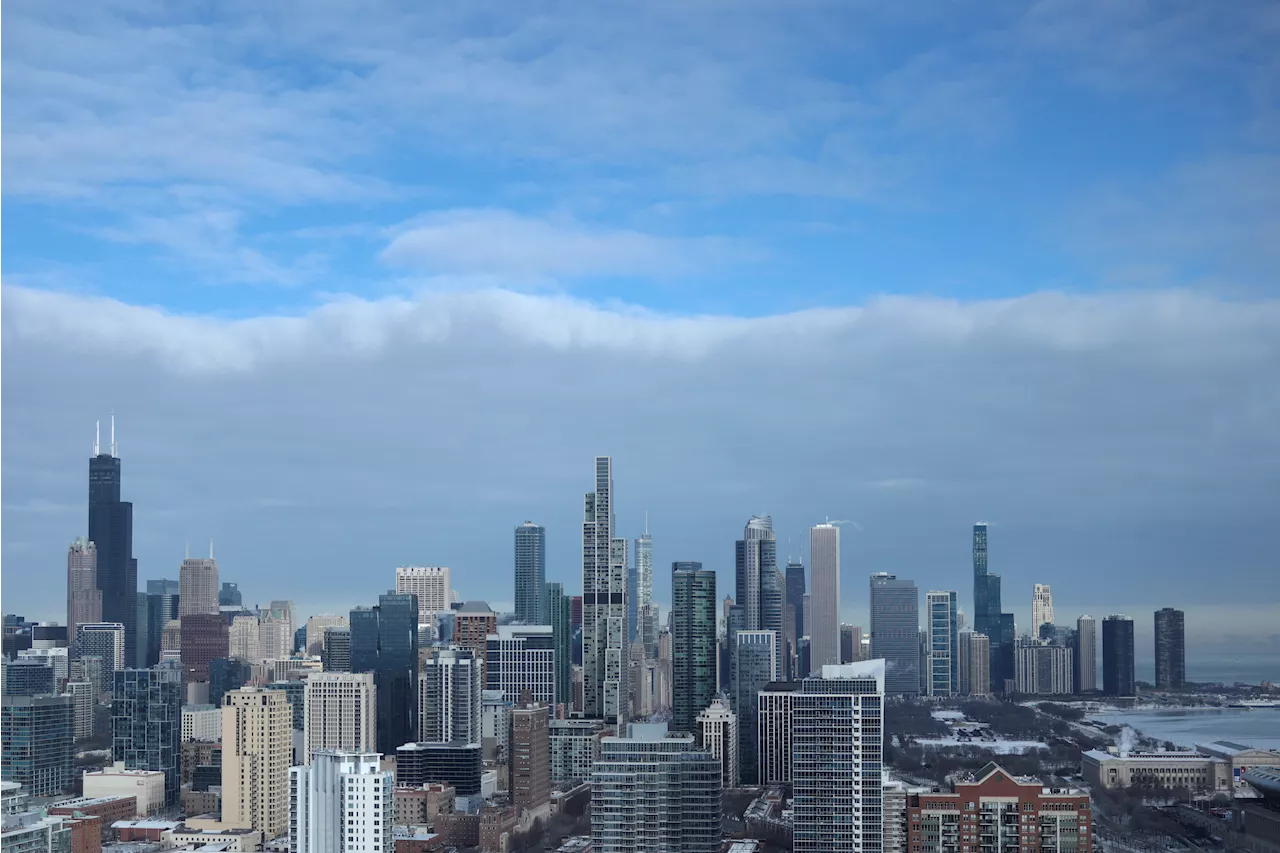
[948, 715]
[998, 745]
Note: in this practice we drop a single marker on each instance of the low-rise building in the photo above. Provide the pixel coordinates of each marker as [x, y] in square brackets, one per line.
[416, 839]
[1240, 758]
[1195, 771]
[421, 806]
[236, 840]
[110, 809]
[146, 786]
[34, 831]
[143, 830]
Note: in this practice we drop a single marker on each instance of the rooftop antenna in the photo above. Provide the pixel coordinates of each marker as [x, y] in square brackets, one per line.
[646, 522]
[211, 548]
[113, 434]
[97, 434]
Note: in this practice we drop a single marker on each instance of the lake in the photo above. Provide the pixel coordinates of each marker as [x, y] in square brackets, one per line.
[1189, 726]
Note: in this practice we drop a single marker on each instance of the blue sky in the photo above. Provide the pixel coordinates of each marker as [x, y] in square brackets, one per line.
[906, 264]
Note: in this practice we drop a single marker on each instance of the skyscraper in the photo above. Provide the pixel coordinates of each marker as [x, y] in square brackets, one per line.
[795, 595]
[1086, 647]
[837, 750]
[450, 688]
[1041, 608]
[340, 713]
[604, 605]
[557, 607]
[823, 623]
[102, 639]
[111, 531]
[775, 707]
[84, 599]
[1171, 649]
[343, 801]
[693, 643]
[257, 750]
[229, 595]
[198, 585]
[531, 572]
[204, 637]
[520, 659]
[431, 585]
[975, 662]
[987, 616]
[1117, 656]
[758, 590]
[755, 662]
[146, 723]
[162, 608]
[655, 790]
[36, 737]
[944, 662]
[384, 641]
[530, 757]
[895, 632]
[718, 734]
[648, 629]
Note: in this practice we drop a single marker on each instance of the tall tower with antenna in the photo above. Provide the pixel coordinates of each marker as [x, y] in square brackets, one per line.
[111, 531]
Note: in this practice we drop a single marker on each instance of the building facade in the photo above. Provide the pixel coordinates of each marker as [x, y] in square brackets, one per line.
[520, 658]
[146, 723]
[384, 641]
[1118, 677]
[647, 631]
[458, 764]
[529, 756]
[431, 585]
[1194, 771]
[84, 599]
[693, 643]
[974, 653]
[450, 689]
[557, 607]
[204, 637]
[823, 621]
[1085, 643]
[102, 639]
[530, 573]
[755, 663]
[718, 734]
[1041, 608]
[257, 752]
[111, 531]
[198, 586]
[201, 722]
[36, 737]
[775, 708]
[604, 603]
[895, 631]
[340, 713]
[574, 748]
[343, 802]
[1043, 670]
[1171, 649]
[943, 665]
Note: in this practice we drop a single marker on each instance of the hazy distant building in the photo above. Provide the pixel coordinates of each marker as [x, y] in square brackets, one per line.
[317, 625]
[895, 632]
[431, 584]
[647, 630]
[198, 584]
[988, 617]
[974, 653]
[718, 734]
[204, 637]
[823, 621]
[340, 712]
[1043, 670]
[229, 595]
[693, 643]
[1171, 649]
[84, 599]
[1117, 656]
[1041, 608]
[530, 572]
[604, 605]
[227, 674]
[1086, 657]
[942, 668]
[850, 644]
[242, 639]
[336, 654]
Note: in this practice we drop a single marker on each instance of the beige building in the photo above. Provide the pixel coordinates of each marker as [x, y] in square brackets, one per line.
[275, 638]
[84, 599]
[718, 729]
[242, 639]
[257, 750]
[316, 626]
[198, 586]
[1192, 770]
[1240, 758]
[341, 712]
[146, 786]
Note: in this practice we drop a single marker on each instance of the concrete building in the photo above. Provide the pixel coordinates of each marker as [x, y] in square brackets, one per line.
[974, 656]
[530, 762]
[102, 639]
[654, 790]
[201, 722]
[342, 802]
[27, 677]
[257, 751]
[775, 705]
[823, 620]
[57, 658]
[84, 598]
[198, 586]
[1085, 669]
[1043, 670]
[36, 736]
[1118, 678]
[430, 584]
[32, 831]
[574, 747]
[85, 702]
[1003, 812]
[1171, 649]
[275, 638]
[837, 750]
[473, 622]
[1192, 770]
[1041, 608]
[895, 631]
[422, 805]
[146, 786]
[340, 713]
[521, 659]
[450, 690]
[604, 603]
[718, 734]
[316, 627]
[336, 655]
[1240, 757]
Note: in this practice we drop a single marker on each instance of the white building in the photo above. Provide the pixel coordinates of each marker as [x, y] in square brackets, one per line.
[316, 626]
[430, 584]
[1041, 608]
[520, 658]
[1043, 670]
[275, 638]
[242, 639]
[84, 699]
[198, 586]
[341, 713]
[449, 697]
[718, 728]
[574, 747]
[104, 640]
[115, 781]
[292, 669]
[201, 722]
[343, 802]
[823, 620]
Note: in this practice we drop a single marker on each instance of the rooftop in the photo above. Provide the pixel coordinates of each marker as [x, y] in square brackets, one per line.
[475, 607]
[1100, 755]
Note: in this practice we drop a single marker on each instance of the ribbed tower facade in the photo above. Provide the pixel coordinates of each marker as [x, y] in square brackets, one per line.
[111, 531]
[604, 603]
[823, 623]
[530, 573]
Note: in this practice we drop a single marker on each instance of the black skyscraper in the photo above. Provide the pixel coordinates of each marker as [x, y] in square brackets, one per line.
[1117, 656]
[1171, 649]
[987, 618]
[384, 641]
[111, 530]
[795, 594]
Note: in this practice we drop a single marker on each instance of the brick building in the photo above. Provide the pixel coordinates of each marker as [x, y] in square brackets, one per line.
[421, 806]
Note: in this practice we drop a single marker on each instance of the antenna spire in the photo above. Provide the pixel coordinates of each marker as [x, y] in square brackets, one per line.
[211, 548]
[646, 522]
[97, 435]
[113, 434]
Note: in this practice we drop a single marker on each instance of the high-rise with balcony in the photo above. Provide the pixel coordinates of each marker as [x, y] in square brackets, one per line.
[604, 604]
[823, 623]
[943, 664]
[198, 585]
[340, 712]
[342, 802]
[102, 639]
[1085, 671]
[431, 586]
[974, 653]
[693, 643]
[530, 573]
[647, 631]
[1041, 608]
[84, 599]
[450, 689]
[895, 632]
[36, 737]
[257, 751]
[111, 531]
[837, 754]
[1171, 649]
[146, 722]
[1117, 656]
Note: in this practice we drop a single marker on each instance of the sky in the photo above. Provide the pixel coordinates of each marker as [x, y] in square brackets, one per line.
[370, 284]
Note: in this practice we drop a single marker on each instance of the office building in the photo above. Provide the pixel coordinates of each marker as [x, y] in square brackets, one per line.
[102, 639]
[975, 661]
[164, 586]
[36, 736]
[431, 584]
[655, 790]
[943, 670]
[84, 599]
[198, 586]
[529, 756]
[755, 662]
[162, 608]
[201, 722]
[1043, 670]
[1171, 649]
[229, 595]
[384, 641]
[225, 675]
[111, 532]
[850, 644]
[987, 616]
[837, 754]
[795, 595]
[647, 632]
[473, 622]
[204, 638]
[336, 655]
[718, 734]
[1085, 670]
[316, 627]
[450, 689]
[26, 677]
[1041, 608]
[557, 607]
[146, 723]
[823, 620]
[693, 643]
[775, 706]
[995, 810]
[242, 639]
[1117, 656]
[520, 659]
[342, 801]
[574, 747]
[257, 751]
[758, 589]
[530, 573]
[895, 631]
[339, 712]
[604, 605]
[458, 764]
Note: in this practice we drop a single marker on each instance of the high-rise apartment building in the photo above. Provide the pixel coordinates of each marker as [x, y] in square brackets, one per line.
[450, 689]
[693, 643]
[204, 638]
[718, 734]
[257, 751]
[202, 723]
[837, 753]
[1086, 658]
[520, 659]
[242, 639]
[1171, 649]
[85, 702]
[198, 585]
[111, 531]
[146, 723]
[473, 622]
[604, 605]
[340, 712]
[975, 663]
[654, 790]
[342, 802]
[823, 622]
[1043, 670]
[431, 584]
[336, 654]
[755, 662]
[530, 573]
[1041, 608]
[943, 666]
[895, 631]
[647, 631]
[275, 637]
[574, 750]
[27, 677]
[36, 737]
[84, 599]
[1117, 656]
[775, 706]
[102, 639]
[557, 607]
[530, 759]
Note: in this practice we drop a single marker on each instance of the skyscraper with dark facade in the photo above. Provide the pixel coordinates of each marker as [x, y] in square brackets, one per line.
[795, 595]
[384, 641]
[530, 572]
[204, 638]
[1117, 656]
[1085, 671]
[162, 608]
[987, 616]
[556, 608]
[895, 632]
[604, 603]
[1171, 649]
[146, 723]
[758, 586]
[693, 643]
[111, 532]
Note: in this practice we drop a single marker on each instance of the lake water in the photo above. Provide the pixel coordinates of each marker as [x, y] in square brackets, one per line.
[1187, 727]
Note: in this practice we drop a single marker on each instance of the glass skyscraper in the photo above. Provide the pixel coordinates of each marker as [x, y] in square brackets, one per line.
[557, 608]
[111, 531]
[36, 737]
[531, 573]
[693, 643]
[384, 641]
[146, 723]
[895, 632]
[943, 676]
[755, 662]
[1117, 656]
[1171, 649]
